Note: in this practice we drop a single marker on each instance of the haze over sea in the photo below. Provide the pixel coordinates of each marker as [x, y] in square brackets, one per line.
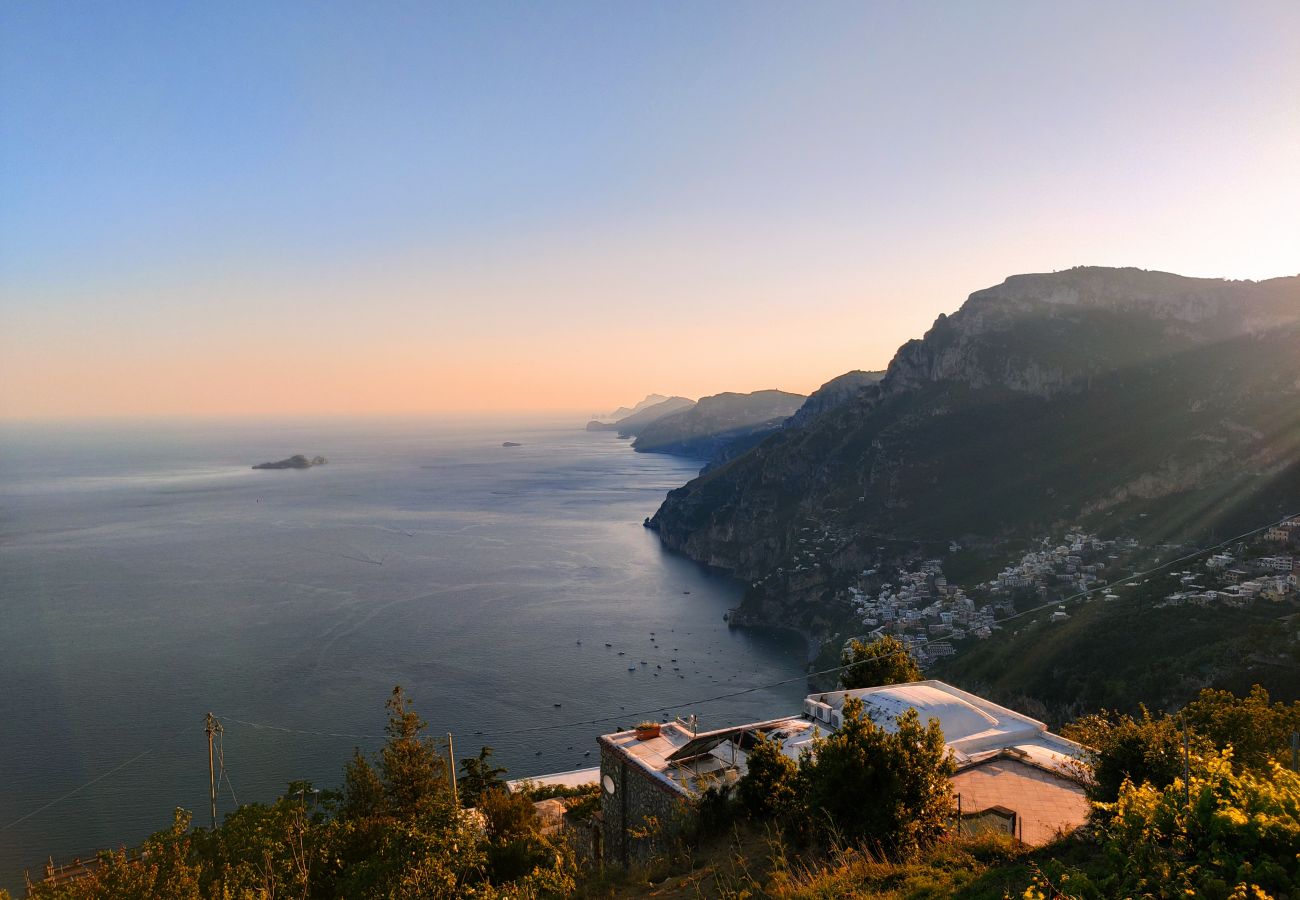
[149, 575]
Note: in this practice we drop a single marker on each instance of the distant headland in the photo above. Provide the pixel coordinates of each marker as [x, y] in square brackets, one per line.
[298, 461]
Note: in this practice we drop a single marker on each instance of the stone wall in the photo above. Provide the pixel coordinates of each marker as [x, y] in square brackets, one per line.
[642, 813]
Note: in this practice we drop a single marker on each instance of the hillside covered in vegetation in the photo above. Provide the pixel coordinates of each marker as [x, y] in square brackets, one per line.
[1195, 805]
[1083, 397]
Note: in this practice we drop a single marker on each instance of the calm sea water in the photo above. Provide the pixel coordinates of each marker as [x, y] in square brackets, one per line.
[148, 575]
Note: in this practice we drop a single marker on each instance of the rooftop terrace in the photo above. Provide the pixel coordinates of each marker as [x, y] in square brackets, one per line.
[690, 762]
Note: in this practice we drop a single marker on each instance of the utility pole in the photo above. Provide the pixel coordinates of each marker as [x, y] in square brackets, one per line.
[1295, 751]
[212, 727]
[1187, 767]
[451, 758]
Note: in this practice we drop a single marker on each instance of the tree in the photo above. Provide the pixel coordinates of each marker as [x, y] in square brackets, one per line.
[770, 784]
[363, 792]
[165, 867]
[1258, 731]
[890, 789]
[1238, 833]
[270, 850]
[1145, 749]
[394, 832]
[883, 661]
[478, 776]
[1149, 749]
[413, 772]
[400, 832]
[515, 842]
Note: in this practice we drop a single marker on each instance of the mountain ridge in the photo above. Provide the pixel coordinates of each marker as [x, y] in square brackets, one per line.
[1083, 394]
[719, 426]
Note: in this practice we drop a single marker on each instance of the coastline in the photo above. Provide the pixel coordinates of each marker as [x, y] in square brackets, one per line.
[735, 618]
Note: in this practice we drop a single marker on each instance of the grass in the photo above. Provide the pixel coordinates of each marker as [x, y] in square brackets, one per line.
[752, 862]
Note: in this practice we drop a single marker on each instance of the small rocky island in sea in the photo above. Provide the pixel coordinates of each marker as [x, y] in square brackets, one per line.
[510, 444]
[298, 461]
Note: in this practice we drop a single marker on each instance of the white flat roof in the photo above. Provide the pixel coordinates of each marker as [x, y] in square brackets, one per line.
[972, 726]
[572, 778]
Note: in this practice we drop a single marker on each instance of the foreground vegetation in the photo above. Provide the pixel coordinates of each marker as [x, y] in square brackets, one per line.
[395, 830]
[1194, 805]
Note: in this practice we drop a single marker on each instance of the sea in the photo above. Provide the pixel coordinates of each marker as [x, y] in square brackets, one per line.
[149, 576]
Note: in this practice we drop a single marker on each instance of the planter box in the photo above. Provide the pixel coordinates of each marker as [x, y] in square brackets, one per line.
[645, 733]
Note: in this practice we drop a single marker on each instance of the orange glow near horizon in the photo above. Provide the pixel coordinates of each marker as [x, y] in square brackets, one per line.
[565, 351]
[566, 211]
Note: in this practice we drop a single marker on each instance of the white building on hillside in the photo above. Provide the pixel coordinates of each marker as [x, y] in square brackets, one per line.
[1012, 773]
[1004, 759]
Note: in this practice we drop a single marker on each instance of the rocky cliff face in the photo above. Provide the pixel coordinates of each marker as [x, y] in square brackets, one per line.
[841, 389]
[1050, 398]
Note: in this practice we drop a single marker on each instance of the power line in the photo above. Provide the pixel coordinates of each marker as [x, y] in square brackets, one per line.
[1151, 571]
[558, 725]
[77, 790]
[221, 764]
[804, 676]
[286, 730]
[92, 782]
[624, 714]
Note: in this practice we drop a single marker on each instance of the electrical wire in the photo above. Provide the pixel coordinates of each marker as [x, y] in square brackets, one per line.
[672, 706]
[622, 714]
[93, 781]
[1151, 571]
[221, 762]
[77, 790]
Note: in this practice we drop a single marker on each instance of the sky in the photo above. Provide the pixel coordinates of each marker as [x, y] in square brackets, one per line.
[274, 208]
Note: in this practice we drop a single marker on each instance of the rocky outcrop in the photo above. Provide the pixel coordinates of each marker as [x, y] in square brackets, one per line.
[298, 461]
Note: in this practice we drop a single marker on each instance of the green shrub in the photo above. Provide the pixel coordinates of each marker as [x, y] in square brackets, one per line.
[1224, 833]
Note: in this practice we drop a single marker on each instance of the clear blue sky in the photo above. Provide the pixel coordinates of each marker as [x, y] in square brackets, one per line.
[435, 206]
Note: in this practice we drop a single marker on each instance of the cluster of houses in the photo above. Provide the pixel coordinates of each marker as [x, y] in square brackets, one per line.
[927, 613]
[1237, 580]
[1286, 533]
[1078, 563]
[923, 611]
[1012, 774]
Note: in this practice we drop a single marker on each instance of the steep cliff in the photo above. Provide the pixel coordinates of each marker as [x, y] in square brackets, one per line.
[840, 389]
[1072, 396]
